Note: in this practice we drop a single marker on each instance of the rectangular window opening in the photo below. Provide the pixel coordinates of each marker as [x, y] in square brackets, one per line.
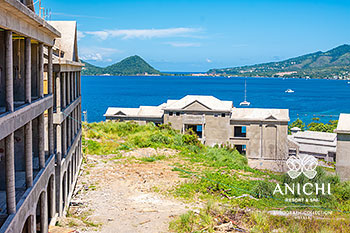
[240, 131]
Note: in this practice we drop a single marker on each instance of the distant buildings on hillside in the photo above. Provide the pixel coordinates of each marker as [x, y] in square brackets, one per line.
[260, 133]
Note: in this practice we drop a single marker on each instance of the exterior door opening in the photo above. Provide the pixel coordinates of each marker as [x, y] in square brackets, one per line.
[242, 149]
[197, 129]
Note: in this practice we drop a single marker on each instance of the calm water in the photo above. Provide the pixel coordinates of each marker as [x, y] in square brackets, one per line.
[311, 97]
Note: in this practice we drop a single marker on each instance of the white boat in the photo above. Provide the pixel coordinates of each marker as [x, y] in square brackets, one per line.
[245, 102]
[289, 91]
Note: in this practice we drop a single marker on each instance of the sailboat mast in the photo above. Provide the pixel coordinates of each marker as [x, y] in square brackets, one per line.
[245, 90]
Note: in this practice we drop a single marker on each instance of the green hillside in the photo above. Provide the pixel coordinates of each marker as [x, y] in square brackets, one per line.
[335, 62]
[90, 69]
[133, 65]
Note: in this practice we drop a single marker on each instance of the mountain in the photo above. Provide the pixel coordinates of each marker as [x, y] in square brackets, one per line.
[133, 65]
[90, 69]
[331, 64]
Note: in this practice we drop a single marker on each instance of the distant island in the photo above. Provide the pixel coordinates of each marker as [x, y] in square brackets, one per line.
[333, 64]
[133, 65]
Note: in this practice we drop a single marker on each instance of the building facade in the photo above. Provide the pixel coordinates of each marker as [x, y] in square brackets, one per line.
[321, 145]
[32, 155]
[260, 133]
[27, 179]
[67, 111]
[343, 147]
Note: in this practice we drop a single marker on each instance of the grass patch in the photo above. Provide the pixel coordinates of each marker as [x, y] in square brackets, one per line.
[219, 174]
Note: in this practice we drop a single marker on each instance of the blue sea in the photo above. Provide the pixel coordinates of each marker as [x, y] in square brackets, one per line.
[324, 99]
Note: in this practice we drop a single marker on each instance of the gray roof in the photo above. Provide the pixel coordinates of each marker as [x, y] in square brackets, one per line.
[142, 111]
[209, 103]
[318, 143]
[343, 124]
[259, 114]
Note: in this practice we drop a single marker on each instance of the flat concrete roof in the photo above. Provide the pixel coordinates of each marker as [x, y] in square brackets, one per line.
[343, 124]
[142, 111]
[320, 136]
[259, 114]
[209, 102]
[26, 14]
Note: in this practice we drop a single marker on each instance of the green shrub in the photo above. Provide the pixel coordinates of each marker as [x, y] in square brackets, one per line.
[342, 191]
[262, 189]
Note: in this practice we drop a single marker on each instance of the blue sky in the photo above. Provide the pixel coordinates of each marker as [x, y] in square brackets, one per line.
[199, 35]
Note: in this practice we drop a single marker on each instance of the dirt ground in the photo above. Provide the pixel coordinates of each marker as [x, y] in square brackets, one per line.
[124, 195]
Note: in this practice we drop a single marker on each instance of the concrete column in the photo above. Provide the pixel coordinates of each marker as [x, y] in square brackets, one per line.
[79, 82]
[69, 131]
[34, 223]
[43, 213]
[72, 125]
[58, 92]
[52, 190]
[72, 86]
[49, 70]
[41, 70]
[79, 112]
[31, 224]
[29, 153]
[9, 71]
[64, 90]
[68, 80]
[50, 130]
[64, 138]
[80, 120]
[77, 118]
[10, 174]
[28, 70]
[76, 84]
[59, 144]
[75, 121]
[41, 140]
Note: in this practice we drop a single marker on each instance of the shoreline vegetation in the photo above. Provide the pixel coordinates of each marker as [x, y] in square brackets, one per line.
[332, 64]
[230, 195]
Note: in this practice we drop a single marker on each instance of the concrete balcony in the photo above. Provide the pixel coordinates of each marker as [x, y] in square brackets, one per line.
[11, 121]
[26, 205]
[58, 117]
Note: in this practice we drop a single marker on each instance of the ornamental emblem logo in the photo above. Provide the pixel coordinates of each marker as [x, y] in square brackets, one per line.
[305, 165]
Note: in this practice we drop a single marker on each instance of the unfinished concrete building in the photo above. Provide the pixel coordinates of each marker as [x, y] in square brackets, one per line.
[321, 145]
[67, 111]
[27, 170]
[260, 133]
[343, 147]
[40, 128]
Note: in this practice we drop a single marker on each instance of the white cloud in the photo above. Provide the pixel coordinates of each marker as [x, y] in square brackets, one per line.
[144, 33]
[183, 44]
[97, 53]
[92, 57]
[208, 60]
[80, 35]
